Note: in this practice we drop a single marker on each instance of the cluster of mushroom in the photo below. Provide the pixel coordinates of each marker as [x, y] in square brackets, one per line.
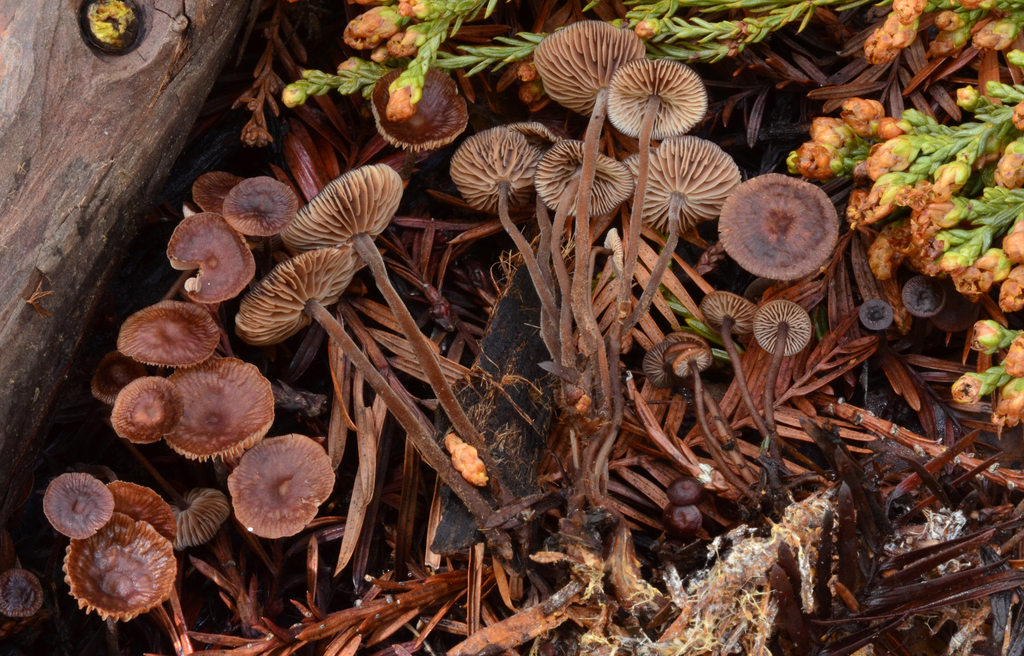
[681, 517]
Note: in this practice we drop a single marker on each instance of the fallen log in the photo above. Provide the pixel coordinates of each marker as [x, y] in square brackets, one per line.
[86, 141]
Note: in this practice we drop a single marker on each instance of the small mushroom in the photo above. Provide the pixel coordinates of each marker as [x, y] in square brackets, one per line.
[685, 491]
[876, 316]
[923, 296]
[261, 207]
[147, 409]
[536, 134]
[113, 372]
[957, 313]
[681, 521]
[210, 189]
[144, 505]
[781, 328]
[206, 242]
[21, 594]
[77, 504]
[658, 361]
[199, 517]
[169, 334]
[729, 313]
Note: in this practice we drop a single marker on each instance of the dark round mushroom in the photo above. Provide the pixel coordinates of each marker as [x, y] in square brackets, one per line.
[114, 371]
[681, 521]
[923, 296]
[875, 314]
[685, 491]
[21, 594]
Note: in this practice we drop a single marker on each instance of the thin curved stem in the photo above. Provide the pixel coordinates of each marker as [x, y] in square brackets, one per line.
[659, 268]
[427, 359]
[562, 274]
[728, 447]
[544, 245]
[725, 331]
[769, 385]
[714, 448]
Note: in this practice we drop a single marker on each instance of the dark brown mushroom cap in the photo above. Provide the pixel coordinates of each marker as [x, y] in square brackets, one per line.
[691, 350]
[279, 485]
[716, 306]
[146, 409]
[206, 242]
[362, 200]
[755, 290]
[210, 189]
[613, 183]
[144, 505]
[113, 372]
[21, 594]
[696, 169]
[122, 571]
[274, 309]
[197, 524]
[923, 296]
[440, 116]
[681, 521]
[260, 206]
[536, 134]
[685, 491]
[773, 313]
[778, 227]
[77, 504]
[576, 62]
[489, 158]
[169, 334]
[683, 97]
[957, 313]
[229, 406]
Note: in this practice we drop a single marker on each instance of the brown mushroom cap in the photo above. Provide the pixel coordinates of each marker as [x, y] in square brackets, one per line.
[170, 334]
[658, 362]
[279, 485]
[716, 306]
[206, 242]
[229, 406]
[536, 134]
[197, 524]
[612, 182]
[122, 571]
[693, 349]
[144, 505]
[613, 243]
[773, 313]
[113, 372]
[440, 116]
[77, 504]
[778, 227]
[146, 409]
[21, 594]
[210, 189]
[576, 62]
[274, 309]
[362, 200]
[260, 206]
[696, 169]
[683, 97]
[492, 157]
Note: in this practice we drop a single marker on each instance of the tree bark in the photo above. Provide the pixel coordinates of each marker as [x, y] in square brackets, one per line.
[86, 141]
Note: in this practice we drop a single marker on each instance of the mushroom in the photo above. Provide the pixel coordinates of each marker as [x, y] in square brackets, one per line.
[657, 362]
[876, 316]
[169, 334]
[144, 505]
[77, 504]
[681, 521]
[778, 227]
[537, 134]
[685, 491]
[210, 189]
[113, 372]
[206, 242]
[21, 594]
[440, 116]
[261, 207]
[781, 328]
[730, 313]
[199, 517]
[957, 312]
[279, 485]
[923, 296]
[147, 409]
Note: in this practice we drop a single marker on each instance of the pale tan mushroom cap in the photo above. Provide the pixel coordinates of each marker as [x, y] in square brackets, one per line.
[124, 570]
[279, 485]
[576, 62]
[77, 504]
[691, 348]
[684, 100]
[146, 409]
[274, 309]
[229, 406]
[654, 363]
[144, 505]
[113, 372]
[206, 242]
[613, 183]
[197, 524]
[716, 306]
[210, 189]
[21, 594]
[260, 206]
[536, 134]
[170, 334]
[440, 117]
[768, 318]
[492, 157]
[698, 170]
[362, 200]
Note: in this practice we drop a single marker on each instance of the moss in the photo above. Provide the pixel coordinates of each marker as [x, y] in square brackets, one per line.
[112, 24]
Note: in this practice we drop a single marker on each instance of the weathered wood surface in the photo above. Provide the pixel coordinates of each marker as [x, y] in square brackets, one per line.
[86, 140]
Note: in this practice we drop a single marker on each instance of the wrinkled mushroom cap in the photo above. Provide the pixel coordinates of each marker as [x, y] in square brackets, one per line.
[170, 334]
[362, 200]
[197, 524]
[576, 62]
[536, 134]
[210, 189]
[77, 504]
[773, 313]
[492, 157]
[697, 170]
[21, 594]
[683, 97]
[274, 309]
[122, 571]
[440, 116]
[923, 296]
[113, 372]
[260, 206]
[612, 181]
[279, 485]
[206, 242]
[146, 410]
[229, 406]
[778, 227]
[144, 505]
[716, 306]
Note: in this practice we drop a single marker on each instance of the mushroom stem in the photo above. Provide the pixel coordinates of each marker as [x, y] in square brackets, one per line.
[160, 480]
[660, 266]
[728, 447]
[562, 273]
[544, 246]
[408, 164]
[639, 198]
[713, 447]
[725, 331]
[268, 256]
[113, 647]
[420, 435]
[769, 383]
